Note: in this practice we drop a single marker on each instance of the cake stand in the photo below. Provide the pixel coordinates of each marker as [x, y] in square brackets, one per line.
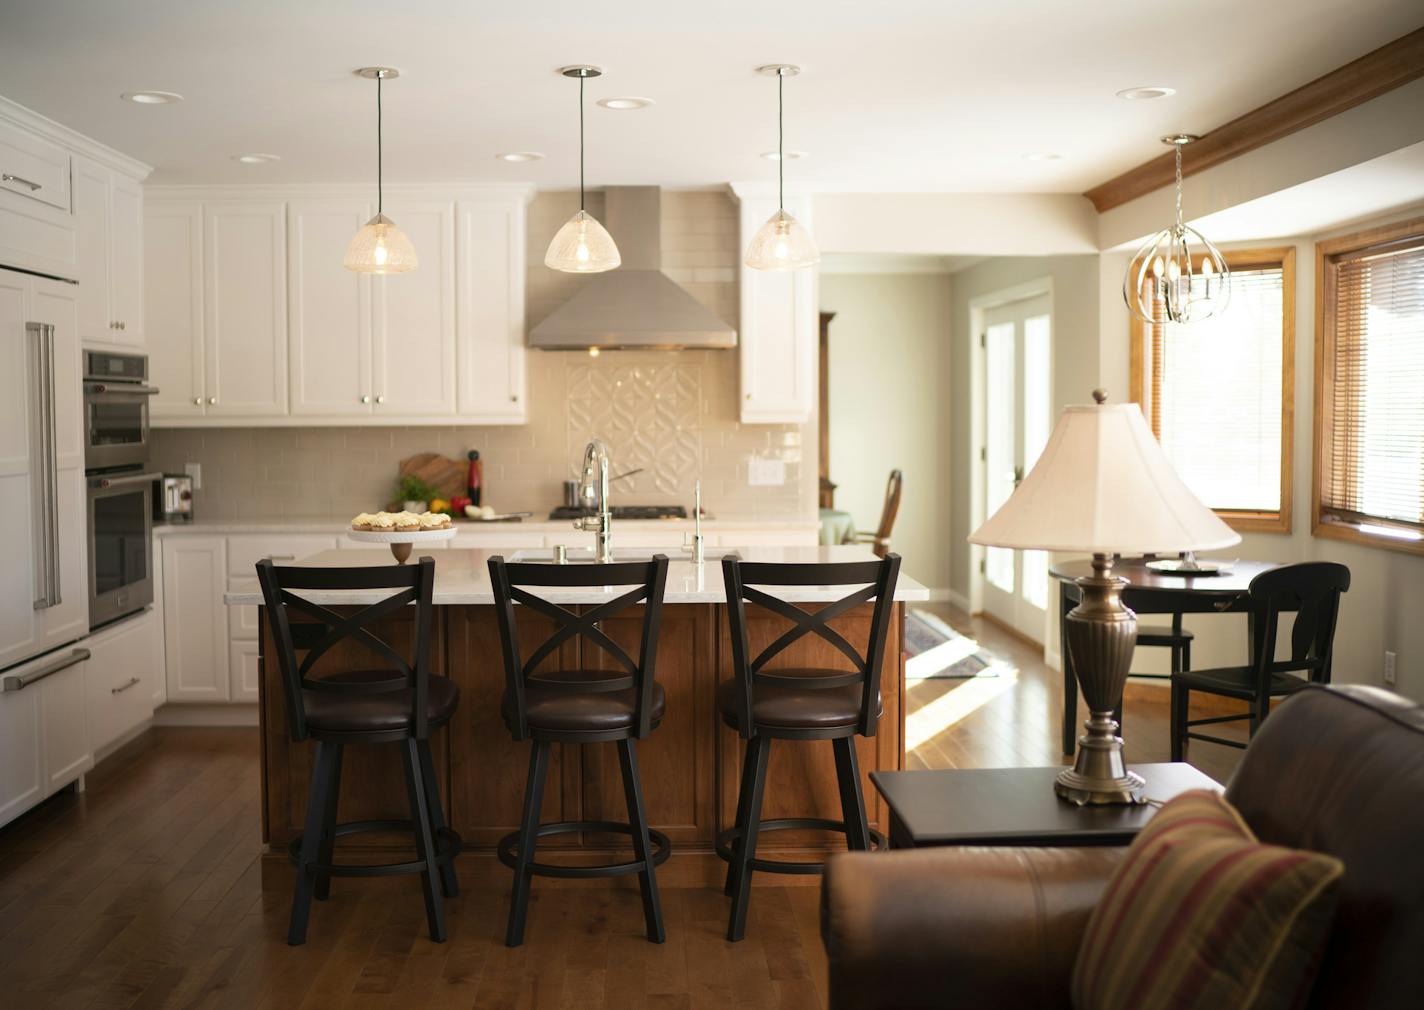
[401, 543]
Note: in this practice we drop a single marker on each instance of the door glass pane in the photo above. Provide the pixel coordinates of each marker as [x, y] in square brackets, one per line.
[999, 443]
[1036, 427]
[120, 547]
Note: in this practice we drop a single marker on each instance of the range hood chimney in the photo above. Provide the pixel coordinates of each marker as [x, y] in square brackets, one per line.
[636, 306]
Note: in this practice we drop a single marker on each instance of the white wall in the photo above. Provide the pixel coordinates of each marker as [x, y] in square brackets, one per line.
[890, 407]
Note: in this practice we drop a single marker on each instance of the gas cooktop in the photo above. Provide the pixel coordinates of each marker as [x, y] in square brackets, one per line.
[624, 512]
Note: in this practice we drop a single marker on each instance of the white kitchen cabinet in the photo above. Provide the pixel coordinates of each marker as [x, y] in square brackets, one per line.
[173, 308]
[413, 339]
[244, 668]
[194, 618]
[778, 338]
[125, 663]
[108, 215]
[245, 309]
[22, 776]
[44, 742]
[67, 750]
[329, 311]
[490, 350]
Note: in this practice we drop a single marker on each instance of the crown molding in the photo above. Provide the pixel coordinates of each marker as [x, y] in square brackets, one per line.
[467, 191]
[16, 114]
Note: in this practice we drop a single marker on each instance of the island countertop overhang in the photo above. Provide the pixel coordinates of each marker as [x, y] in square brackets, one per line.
[462, 577]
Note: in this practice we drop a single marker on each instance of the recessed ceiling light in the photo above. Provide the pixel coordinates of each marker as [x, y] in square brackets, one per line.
[152, 97]
[790, 155]
[520, 156]
[1146, 92]
[1042, 156]
[625, 102]
[256, 159]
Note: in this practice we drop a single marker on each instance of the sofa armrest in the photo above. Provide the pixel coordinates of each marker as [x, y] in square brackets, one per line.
[958, 927]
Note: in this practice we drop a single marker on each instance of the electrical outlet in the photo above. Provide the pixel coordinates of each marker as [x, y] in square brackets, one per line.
[1389, 675]
[195, 470]
[765, 472]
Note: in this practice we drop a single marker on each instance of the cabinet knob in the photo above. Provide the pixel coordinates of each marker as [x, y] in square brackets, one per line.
[123, 326]
[197, 401]
[212, 400]
[113, 325]
[514, 398]
[365, 399]
[749, 396]
[381, 399]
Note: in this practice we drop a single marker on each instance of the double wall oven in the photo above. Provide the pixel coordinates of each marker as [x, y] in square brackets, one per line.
[120, 484]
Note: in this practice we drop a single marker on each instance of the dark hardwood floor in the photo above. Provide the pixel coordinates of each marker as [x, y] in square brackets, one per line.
[149, 891]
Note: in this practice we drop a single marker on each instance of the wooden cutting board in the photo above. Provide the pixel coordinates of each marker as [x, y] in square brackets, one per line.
[447, 476]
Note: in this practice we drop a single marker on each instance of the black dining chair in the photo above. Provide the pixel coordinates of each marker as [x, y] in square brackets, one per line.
[397, 701]
[799, 704]
[581, 705]
[1312, 590]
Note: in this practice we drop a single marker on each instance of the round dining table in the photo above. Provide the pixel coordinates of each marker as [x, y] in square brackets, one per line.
[1149, 592]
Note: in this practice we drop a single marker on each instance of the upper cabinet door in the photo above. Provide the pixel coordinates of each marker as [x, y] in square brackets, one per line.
[490, 350]
[173, 300]
[126, 258]
[414, 337]
[779, 328]
[329, 311]
[91, 233]
[245, 308]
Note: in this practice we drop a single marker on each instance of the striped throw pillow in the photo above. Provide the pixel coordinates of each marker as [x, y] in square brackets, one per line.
[1202, 916]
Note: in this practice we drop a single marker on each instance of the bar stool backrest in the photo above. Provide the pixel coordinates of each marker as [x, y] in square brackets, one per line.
[648, 580]
[877, 579]
[413, 584]
[1311, 589]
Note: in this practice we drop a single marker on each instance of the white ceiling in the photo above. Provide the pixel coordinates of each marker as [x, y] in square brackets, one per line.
[910, 95]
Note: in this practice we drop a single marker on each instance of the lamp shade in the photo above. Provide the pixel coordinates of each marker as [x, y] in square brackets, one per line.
[1103, 485]
[380, 248]
[782, 244]
[582, 246]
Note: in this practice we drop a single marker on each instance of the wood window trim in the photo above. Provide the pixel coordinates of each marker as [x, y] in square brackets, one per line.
[1247, 259]
[1323, 420]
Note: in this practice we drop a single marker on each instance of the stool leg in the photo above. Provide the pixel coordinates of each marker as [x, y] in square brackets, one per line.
[528, 835]
[424, 840]
[448, 883]
[1178, 720]
[311, 843]
[857, 830]
[322, 890]
[758, 751]
[642, 847]
[744, 796]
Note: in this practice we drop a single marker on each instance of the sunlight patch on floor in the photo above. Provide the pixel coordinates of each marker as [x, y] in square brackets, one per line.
[942, 656]
[933, 718]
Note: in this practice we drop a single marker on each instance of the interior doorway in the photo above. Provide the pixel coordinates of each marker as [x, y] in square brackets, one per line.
[1015, 390]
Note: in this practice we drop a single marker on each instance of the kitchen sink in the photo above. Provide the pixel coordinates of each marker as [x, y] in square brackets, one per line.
[584, 555]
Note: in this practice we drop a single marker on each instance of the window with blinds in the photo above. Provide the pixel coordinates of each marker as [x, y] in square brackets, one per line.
[1370, 387]
[1217, 393]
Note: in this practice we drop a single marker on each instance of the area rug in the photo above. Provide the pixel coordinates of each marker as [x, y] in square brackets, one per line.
[935, 651]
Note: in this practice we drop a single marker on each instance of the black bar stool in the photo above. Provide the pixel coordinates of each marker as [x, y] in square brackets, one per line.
[799, 704]
[397, 702]
[581, 706]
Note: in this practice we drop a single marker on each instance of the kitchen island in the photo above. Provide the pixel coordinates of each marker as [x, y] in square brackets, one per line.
[690, 764]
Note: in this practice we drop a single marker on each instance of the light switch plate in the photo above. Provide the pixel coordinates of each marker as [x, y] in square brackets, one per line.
[195, 470]
[766, 472]
[1390, 677]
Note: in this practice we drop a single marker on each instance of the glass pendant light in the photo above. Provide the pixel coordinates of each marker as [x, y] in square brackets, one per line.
[782, 243]
[379, 247]
[1177, 275]
[582, 245]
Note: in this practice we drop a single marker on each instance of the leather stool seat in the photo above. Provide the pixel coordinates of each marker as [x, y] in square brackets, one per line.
[375, 713]
[793, 707]
[558, 708]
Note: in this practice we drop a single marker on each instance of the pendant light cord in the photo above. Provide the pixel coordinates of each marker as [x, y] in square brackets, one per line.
[380, 181]
[581, 80]
[780, 143]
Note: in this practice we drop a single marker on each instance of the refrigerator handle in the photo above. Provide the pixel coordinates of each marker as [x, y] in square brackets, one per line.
[45, 478]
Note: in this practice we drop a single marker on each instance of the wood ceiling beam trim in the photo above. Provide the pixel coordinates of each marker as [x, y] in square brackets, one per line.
[1370, 76]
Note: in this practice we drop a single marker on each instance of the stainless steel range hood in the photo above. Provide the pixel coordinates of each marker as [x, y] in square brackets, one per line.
[636, 305]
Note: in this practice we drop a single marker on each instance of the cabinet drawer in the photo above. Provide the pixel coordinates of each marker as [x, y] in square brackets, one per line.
[242, 621]
[119, 677]
[244, 552]
[243, 669]
[34, 168]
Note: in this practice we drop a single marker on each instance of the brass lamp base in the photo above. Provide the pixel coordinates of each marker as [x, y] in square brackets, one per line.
[1101, 634]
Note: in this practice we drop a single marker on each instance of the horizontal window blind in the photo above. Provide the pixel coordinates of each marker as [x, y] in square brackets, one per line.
[1215, 400]
[1375, 447]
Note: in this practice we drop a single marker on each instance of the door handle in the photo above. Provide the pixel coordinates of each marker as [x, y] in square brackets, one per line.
[44, 449]
[124, 687]
[15, 682]
[34, 186]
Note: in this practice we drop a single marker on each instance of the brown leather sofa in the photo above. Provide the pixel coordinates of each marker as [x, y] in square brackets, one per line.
[1337, 770]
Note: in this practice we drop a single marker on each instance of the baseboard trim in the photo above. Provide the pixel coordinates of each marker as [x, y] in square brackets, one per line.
[181, 714]
[951, 597]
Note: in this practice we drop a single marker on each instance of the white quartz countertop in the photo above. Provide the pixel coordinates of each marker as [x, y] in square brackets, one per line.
[462, 577]
[335, 525]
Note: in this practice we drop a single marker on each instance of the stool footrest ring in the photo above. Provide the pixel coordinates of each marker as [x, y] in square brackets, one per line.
[725, 840]
[447, 846]
[662, 848]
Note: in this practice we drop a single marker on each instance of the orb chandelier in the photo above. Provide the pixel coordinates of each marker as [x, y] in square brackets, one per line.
[1177, 275]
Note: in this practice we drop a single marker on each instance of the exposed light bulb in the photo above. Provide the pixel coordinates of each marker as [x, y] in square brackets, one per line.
[380, 253]
[581, 253]
[1157, 267]
[1206, 269]
[593, 352]
[1174, 271]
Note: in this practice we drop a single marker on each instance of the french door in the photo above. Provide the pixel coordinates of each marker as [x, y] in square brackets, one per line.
[1018, 338]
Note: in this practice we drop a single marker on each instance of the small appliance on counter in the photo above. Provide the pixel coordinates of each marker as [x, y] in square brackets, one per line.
[173, 498]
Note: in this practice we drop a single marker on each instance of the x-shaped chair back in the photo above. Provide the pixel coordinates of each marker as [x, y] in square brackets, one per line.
[648, 580]
[412, 584]
[877, 581]
[1311, 589]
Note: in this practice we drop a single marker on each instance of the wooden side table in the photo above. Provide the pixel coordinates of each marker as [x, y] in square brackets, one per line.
[1017, 806]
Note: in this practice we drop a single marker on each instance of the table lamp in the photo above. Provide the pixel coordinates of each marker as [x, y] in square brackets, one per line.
[1103, 486]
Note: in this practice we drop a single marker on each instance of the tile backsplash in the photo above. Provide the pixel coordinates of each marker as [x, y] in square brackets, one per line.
[672, 413]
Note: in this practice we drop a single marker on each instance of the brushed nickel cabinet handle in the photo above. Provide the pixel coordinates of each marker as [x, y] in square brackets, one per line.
[7, 177]
[124, 687]
[18, 683]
